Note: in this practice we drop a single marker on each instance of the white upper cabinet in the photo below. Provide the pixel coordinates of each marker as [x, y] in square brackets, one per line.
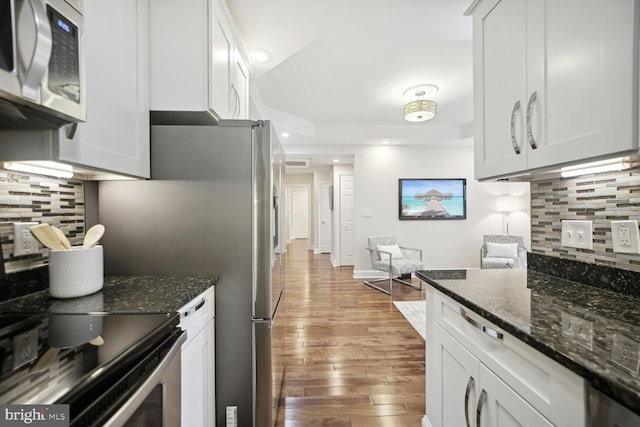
[194, 54]
[553, 83]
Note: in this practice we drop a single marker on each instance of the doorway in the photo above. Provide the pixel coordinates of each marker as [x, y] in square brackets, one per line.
[299, 218]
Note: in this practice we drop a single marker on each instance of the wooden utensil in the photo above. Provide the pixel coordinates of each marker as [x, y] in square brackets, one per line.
[93, 236]
[63, 239]
[45, 235]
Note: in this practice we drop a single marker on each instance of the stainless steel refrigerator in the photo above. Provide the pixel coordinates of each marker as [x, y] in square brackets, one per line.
[211, 208]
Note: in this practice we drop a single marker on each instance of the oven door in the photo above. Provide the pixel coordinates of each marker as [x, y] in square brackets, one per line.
[157, 401]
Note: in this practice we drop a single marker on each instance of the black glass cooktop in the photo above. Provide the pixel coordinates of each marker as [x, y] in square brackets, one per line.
[49, 357]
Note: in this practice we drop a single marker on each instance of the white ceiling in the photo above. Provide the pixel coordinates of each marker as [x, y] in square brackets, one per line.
[340, 68]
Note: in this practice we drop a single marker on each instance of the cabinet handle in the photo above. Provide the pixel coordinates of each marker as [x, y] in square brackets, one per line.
[488, 331]
[514, 141]
[194, 309]
[470, 385]
[532, 100]
[236, 107]
[481, 401]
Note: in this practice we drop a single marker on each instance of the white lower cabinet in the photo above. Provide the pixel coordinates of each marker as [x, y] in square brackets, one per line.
[473, 395]
[198, 362]
[477, 379]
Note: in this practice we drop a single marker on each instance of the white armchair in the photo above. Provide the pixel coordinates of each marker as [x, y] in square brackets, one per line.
[398, 262]
[503, 251]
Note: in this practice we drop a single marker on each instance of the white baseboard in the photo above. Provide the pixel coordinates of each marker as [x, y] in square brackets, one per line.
[333, 261]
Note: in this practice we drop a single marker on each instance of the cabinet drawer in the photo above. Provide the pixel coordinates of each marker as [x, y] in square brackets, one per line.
[196, 313]
[552, 389]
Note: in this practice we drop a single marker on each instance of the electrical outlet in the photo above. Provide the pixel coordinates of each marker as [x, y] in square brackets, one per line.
[232, 416]
[23, 241]
[577, 234]
[25, 347]
[625, 237]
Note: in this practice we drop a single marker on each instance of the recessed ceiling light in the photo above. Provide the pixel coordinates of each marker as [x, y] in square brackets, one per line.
[336, 160]
[260, 55]
[385, 142]
[285, 134]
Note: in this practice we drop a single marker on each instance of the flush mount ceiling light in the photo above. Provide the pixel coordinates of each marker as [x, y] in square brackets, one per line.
[421, 109]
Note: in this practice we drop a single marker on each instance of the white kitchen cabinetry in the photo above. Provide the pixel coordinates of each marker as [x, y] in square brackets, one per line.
[115, 136]
[483, 395]
[553, 83]
[194, 55]
[501, 381]
[198, 361]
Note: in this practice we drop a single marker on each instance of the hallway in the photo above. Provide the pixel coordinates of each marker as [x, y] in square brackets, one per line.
[353, 359]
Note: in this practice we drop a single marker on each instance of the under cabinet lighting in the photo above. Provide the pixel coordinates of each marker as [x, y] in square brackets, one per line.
[594, 167]
[59, 170]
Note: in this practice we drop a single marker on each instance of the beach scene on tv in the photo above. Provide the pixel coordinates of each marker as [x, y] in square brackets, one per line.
[432, 198]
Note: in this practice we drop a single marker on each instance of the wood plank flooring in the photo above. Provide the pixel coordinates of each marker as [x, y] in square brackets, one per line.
[353, 359]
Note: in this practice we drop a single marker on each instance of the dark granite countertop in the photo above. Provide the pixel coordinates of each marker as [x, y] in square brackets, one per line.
[134, 294]
[543, 311]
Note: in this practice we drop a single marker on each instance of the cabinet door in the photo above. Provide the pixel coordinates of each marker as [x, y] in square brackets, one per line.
[500, 406]
[210, 375]
[221, 63]
[582, 64]
[500, 87]
[240, 88]
[115, 136]
[454, 390]
[194, 388]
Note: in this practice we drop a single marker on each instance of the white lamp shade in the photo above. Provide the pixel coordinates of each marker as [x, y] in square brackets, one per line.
[508, 203]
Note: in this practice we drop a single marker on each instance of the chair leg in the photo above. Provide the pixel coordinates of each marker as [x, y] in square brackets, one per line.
[372, 284]
[391, 279]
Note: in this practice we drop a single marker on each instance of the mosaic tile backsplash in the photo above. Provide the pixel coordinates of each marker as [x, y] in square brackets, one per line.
[601, 198]
[24, 198]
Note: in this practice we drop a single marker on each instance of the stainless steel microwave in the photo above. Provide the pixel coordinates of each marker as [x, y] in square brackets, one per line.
[42, 82]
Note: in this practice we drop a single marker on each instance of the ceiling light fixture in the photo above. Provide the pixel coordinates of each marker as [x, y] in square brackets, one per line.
[421, 109]
[59, 170]
[285, 134]
[593, 167]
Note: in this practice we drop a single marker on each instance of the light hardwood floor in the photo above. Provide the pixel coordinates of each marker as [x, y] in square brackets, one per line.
[353, 359]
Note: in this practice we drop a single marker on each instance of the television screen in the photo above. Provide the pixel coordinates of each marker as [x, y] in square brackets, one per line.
[431, 198]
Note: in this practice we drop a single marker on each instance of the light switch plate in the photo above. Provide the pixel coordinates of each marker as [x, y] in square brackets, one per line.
[577, 234]
[625, 237]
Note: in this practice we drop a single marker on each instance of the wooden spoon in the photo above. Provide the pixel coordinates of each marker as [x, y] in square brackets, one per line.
[45, 235]
[63, 239]
[93, 236]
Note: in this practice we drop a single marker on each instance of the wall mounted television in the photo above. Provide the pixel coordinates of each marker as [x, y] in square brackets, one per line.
[432, 198]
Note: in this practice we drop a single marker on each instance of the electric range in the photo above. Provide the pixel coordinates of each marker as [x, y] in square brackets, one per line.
[96, 363]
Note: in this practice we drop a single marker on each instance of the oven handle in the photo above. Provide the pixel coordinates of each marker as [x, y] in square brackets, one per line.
[130, 406]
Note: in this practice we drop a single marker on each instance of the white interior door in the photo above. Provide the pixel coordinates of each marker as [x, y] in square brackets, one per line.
[300, 208]
[347, 221]
[325, 219]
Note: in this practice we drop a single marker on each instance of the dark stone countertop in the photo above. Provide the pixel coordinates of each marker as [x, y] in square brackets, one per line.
[538, 309]
[134, 294]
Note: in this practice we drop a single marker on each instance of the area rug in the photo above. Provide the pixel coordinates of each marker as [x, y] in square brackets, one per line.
[416, 313]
